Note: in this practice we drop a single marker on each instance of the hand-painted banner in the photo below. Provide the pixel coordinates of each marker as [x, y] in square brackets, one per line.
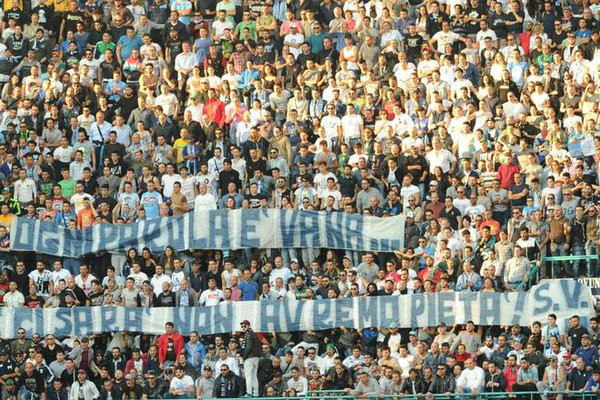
[561, 297]
[221, 229]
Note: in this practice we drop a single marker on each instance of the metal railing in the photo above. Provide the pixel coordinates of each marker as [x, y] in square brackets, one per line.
[580, 257]
[342, 395]
[535, 266]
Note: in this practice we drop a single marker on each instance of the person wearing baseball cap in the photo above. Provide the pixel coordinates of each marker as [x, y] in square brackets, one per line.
[251, 352]
[205, 384]
[84, 388]
[10, 389]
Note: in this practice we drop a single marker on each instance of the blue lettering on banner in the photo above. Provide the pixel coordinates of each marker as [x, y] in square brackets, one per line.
[389, 310]
[39, 318]
[467, 298]
[309, 225]
[109, 317]
[368, 312]
[248, 233]
[222, 318]
[322, 314]
[127, 237]
[571, 296]
[133, 318]
[519, 305]
[353, 232]
[287, 229]
[270, 312]
[292, 311]
[417, 308]
[174, 231]
[543, 302]
[48, 242]
[83, 320]
[64, 316]
[344, 312]
[445, 307]
[19, 238]
[182, 316]
[153, 233]
[219, 239]
[333, 231]
[24, 319]
[564, 297]
[215, 229]
[203, 321]
[71, 238]
[489, 309]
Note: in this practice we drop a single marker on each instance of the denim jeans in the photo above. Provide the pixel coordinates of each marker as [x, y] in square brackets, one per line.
[288, 255]
[500, 216]
[591, 249]
[558, 249]
[576, 250]
[25, 394]
[309, 255]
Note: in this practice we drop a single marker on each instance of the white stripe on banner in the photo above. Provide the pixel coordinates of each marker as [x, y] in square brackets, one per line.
[562, 297]
[221, 229]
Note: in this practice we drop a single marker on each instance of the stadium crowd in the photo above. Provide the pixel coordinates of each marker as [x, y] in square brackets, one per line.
[476, 121]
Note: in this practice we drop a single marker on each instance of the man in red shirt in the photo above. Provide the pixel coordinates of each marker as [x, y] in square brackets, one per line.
[507, 171]
[215, 108]
[170, 345]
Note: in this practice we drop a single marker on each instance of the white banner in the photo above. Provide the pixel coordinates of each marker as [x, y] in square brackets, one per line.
[562, 297]
[221, 229]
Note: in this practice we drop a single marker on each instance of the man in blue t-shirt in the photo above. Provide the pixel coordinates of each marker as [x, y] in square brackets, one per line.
[127, 43]
[151, 201]
[248, 287]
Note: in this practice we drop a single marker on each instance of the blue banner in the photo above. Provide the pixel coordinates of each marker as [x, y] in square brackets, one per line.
[561, 297]
[220, 229]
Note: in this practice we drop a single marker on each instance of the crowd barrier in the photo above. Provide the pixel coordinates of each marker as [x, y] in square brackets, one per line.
[341, 395]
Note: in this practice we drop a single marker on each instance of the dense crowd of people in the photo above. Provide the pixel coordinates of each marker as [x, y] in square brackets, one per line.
[370, 363]
[475, 120]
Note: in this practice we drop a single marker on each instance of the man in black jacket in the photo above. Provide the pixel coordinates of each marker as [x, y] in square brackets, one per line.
[57, 392]
[495, 381]
[251, 351]
[442, 383]
[31, 384]
[228, 385]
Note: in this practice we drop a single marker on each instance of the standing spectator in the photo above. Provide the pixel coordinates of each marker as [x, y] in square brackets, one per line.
[170, 345]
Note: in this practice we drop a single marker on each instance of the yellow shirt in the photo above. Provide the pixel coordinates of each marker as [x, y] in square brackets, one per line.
[178, 146]
[9, 3]
[61, 6]
[6, 220]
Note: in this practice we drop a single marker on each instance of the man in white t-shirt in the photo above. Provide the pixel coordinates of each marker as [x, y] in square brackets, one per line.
[444, 37]
[485, 32]
[168, 101]
[331, 123]
[159, 279]
[332, 191]
[204, 200]
[42, 279]
[59, 273]
[294, 40]
[352, 125]
[79, 197]
[182, 385]
[211, 296]
[169, 179]
[320, 179]
[408, 189]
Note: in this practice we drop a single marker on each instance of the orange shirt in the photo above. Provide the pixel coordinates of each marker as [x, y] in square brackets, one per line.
[85, 218]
